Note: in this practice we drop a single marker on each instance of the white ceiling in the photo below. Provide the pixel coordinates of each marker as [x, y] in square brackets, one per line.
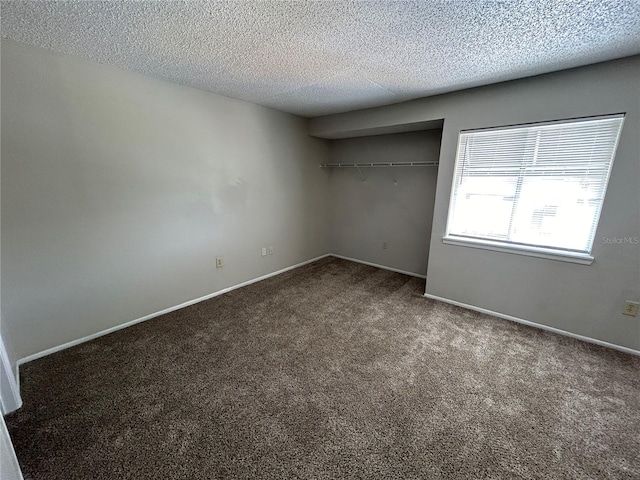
[317, 58]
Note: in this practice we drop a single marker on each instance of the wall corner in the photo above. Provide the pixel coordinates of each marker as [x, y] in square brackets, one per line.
[10, 399]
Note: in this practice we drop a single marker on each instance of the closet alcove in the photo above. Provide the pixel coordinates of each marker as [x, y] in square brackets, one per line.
[382, 193]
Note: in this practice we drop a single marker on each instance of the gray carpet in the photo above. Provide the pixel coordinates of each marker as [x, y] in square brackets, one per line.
[332, 370]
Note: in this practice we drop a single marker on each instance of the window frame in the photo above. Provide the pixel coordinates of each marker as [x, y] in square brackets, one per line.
[567, 255]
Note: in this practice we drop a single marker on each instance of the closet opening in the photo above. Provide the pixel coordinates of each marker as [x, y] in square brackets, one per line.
[382, 194]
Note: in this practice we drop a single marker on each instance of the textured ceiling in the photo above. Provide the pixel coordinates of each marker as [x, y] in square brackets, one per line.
[327, 57]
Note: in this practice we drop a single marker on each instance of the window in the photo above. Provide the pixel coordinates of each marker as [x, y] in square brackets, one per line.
[536, 189]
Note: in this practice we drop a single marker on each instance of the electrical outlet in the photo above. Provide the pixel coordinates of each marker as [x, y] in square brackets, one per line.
[218, 262]
[264, 251]
[270, 250]
[630, 308]
[385, 246]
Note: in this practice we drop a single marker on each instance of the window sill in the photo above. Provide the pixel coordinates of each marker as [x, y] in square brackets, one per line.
[581, 258]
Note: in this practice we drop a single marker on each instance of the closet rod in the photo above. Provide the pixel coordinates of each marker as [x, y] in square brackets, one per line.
[385, 164]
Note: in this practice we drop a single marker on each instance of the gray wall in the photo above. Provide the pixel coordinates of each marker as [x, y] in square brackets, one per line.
[583, 299]
[118, 192]
[393, 205]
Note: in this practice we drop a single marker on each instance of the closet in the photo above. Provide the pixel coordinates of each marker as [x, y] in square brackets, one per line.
[382, 191]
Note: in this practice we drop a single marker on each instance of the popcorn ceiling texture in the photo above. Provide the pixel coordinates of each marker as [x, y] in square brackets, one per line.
[326, 57]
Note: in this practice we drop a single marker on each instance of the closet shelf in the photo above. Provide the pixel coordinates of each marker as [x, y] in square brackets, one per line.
[378, 165]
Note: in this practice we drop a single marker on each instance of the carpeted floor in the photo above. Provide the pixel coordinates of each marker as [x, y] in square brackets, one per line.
[333, 370]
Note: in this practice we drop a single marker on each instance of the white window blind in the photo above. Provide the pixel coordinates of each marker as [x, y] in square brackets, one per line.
[537, 185]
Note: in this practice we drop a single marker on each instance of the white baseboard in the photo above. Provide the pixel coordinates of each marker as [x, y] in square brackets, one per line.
[10, 399]
[101, 333]
[536, 325]
[397, 270]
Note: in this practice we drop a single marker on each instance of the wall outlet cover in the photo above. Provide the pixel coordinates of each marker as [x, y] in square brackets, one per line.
[630, 308]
